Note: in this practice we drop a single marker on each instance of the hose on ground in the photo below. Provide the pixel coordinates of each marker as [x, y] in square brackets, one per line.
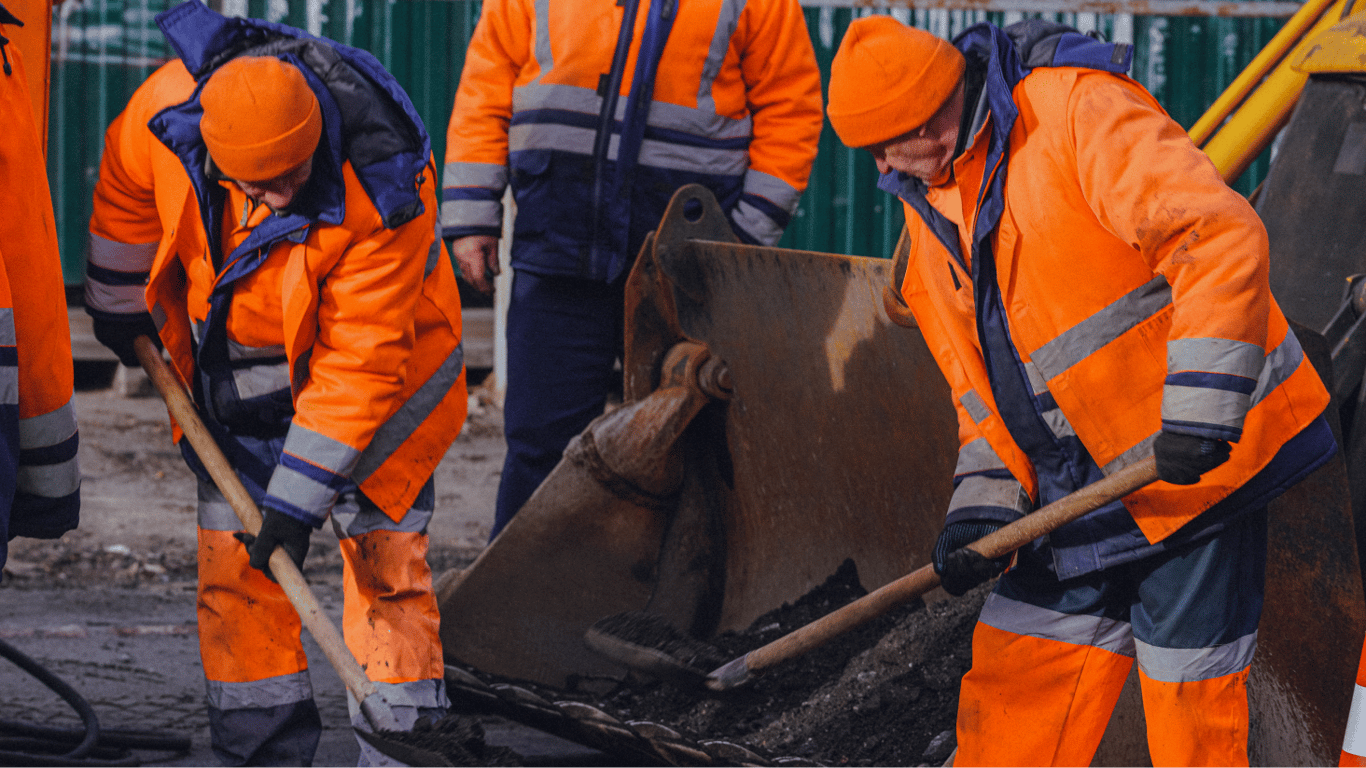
[29, 744]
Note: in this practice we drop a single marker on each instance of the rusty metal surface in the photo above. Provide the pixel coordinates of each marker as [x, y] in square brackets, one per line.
[839, 439]
[586, 544]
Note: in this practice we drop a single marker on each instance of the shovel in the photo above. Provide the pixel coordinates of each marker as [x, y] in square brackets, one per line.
[373, 705]
[609, 639]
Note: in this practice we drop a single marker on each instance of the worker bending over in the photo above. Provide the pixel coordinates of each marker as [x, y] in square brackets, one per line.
[1094, 294]
[722, 94]
[276, 193]
[40, 480]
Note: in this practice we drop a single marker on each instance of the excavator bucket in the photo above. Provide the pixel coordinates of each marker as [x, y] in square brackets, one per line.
[822, 431]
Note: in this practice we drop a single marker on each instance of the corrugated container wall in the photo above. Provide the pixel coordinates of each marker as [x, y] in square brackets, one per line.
[103, 49]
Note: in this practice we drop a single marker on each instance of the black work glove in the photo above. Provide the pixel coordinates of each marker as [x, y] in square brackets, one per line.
[118, 331]
[1182, 459]
[277, 529]
[960, 569]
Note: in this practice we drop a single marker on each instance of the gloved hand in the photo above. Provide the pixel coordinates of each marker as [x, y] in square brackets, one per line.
[277, 529]
[1182, 459]
[118, 331]
[960, 569]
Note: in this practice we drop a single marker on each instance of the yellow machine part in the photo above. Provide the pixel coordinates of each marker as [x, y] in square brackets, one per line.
[1251, 128]
[35, 41]
[1340, 49]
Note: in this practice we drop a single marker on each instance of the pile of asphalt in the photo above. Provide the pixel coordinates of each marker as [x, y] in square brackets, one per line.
[885, 693]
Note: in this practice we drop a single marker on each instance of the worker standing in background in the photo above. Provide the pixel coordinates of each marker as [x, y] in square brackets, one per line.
[1094, 294]
[596, 113]
[276, 192]
[40, 479]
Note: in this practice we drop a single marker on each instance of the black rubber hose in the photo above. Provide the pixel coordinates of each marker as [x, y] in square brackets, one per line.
[45, 745]
[68, 694]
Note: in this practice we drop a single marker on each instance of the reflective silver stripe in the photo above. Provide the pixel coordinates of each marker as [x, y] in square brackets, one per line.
[1235, 358]
[1036, 380]
[1187, 665]
[1024, 619]
[7, 337]
[9, 385]
[294, 487]
[1280, 365]
[354, 515]
[485, 175]
[977, 409]
[214, 511]
[400, 426]
[977, 456]
[116, 299]
[472, 213]
[566, 138]
[48, 429]
[1057, 422]
[727, 20]
[260, 380]
[544, 56]
[1083, 339]
[654, 154]
[680, 157]
[756, 223]
[689, 120]
[1142, 450]
[980, 491]
[271, 692]
[772, 189]
[1204, 405]
[239, 351]
[49, 480]
[1354, 743]
[122, 257]
[52, 481]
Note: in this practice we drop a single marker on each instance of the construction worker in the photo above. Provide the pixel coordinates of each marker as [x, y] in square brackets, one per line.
[1094, 294]
[596, 113]
[40, 479]
[276, 193]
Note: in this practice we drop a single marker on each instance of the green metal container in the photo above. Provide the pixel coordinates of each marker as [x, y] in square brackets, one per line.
[103, 49]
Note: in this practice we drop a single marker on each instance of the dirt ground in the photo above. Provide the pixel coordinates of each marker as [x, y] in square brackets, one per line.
[109, 608]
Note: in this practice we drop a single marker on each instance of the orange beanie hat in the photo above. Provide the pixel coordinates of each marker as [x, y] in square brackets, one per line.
[260, 118]
[888, 79]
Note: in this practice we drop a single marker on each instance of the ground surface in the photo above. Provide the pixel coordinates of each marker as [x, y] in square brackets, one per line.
[109, 609]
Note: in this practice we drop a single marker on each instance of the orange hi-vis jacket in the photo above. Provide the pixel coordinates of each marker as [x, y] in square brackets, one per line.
[735, 105]
[1131, 284]
[355, 324]
[39, 474]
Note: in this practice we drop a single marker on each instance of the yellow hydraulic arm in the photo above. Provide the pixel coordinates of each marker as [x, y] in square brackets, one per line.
[1257, 104]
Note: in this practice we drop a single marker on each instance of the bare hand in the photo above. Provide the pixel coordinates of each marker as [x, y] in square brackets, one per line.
[477, 256]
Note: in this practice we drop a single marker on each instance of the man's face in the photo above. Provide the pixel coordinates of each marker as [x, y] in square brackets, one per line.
[280, 191]
[926, 152]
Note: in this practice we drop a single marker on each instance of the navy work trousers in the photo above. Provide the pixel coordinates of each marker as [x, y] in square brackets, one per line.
[564, 335]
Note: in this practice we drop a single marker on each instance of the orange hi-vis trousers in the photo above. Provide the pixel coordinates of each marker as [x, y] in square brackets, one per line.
[260, 699]
[1049, 658]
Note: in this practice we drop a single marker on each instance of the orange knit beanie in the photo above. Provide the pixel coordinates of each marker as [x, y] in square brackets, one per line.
[888, 79]
[260, 118]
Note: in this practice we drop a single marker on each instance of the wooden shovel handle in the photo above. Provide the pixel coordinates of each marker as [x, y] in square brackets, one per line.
[1003, 541]
[178, 403]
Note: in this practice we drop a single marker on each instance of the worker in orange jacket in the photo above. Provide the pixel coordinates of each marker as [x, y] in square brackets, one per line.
[1094, 294]
[276, 194]
[596, 113]
[40, 479]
